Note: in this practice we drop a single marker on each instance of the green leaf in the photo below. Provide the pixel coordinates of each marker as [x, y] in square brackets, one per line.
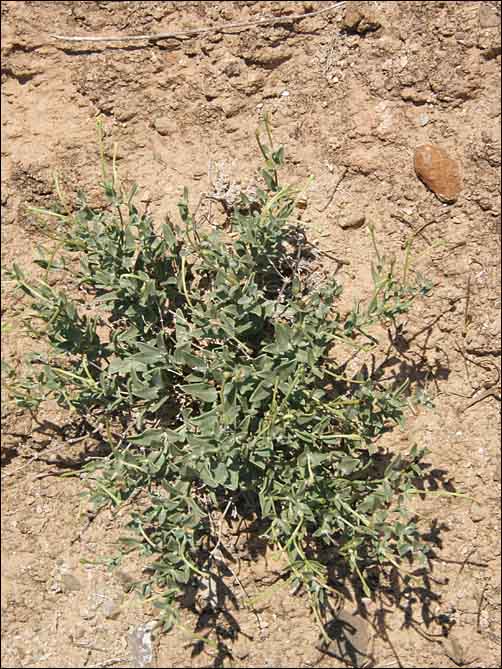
[233, 483]
[201, 391]
[285, 370]
[207, 476]
[405, 548]
[206, 422]
[149, 354]
[347, 465]
[149, 438]
[144, 392]
[185, 357]
[278, 156]
[335, 438]
[261, 392]
[220, 474]
[282, 337]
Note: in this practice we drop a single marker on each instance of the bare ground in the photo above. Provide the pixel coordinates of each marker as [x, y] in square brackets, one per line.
[183, 113]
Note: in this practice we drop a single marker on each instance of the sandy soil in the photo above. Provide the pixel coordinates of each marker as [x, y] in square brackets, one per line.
[184, 112]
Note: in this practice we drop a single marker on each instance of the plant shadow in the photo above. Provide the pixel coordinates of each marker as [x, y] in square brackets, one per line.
[413, 591]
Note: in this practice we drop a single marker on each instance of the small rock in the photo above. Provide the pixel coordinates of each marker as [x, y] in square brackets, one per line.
[78, 633]
[270, 91]
[115, 151]
[112, 606]
[164, 125]
[484, 621]
[420, 97]
[268, 57]
[423, 119]
[232, 105]
[491, 52]
[358, 21]
[70, 582]
[350, 639]
[87, 614]
[56, 587]
[302, 202]
[140, 642]
[240, 653]
[485, 203]
[124, 579]
[497, 473]
[363, 159]
[438, 171]
[191, 48]
[355, 221]
[214, 37]
[368, 24]
[453, 649]
[232, 68]
[351, 19]
[251, 84]
[477, 512]
[488, 16]
[40, 438]
[124, 114]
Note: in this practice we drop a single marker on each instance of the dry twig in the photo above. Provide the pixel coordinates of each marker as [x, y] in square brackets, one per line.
[335, 188]
[200, 31]
[37, 456]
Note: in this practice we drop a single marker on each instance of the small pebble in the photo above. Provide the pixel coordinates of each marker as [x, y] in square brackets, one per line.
[125, 580]
[353, 222]
[70, 583]
[164, 125]
[477, 512]
[86, 614]
[112, 606]
[453, 649]
[140, 643]
[497, 472]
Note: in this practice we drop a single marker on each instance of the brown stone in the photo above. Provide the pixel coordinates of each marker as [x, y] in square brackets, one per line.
[352, 19]
[360, 21]
[438, 171]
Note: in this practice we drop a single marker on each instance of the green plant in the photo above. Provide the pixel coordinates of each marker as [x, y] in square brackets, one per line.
[213, 364]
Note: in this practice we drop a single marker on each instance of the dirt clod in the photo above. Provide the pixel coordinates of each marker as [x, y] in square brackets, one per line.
[359, 20]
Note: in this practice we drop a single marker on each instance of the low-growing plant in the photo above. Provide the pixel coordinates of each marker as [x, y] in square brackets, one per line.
[216, 370]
